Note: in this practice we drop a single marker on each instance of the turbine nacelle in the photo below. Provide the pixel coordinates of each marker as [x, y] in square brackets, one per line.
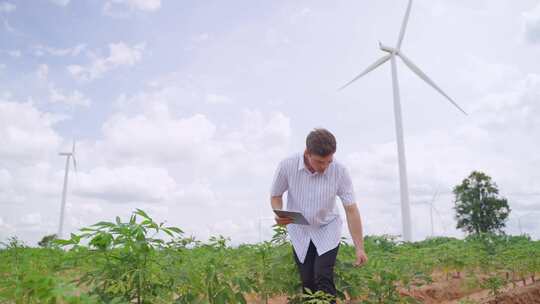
[387, 49]
[71, 154]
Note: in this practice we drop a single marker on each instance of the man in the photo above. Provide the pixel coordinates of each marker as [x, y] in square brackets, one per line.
[312, 181]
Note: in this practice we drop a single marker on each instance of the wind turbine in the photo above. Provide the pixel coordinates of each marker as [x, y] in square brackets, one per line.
[391, 55]
[68, 155]
[431, 208]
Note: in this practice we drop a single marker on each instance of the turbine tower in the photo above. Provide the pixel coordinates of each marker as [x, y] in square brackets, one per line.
[68, 155]
[391, 55]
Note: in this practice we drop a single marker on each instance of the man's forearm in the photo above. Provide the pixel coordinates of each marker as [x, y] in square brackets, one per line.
[355, 228]
[277, 202]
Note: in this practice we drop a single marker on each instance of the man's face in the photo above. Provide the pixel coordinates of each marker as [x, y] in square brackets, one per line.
[319, 163]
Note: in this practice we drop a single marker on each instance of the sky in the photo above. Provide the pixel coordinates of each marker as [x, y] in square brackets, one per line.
[185, 108]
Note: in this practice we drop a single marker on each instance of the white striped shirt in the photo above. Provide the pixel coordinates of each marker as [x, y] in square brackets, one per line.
[314, 195]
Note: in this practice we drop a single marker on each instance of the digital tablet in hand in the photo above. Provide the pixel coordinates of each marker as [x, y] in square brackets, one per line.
[297, 217]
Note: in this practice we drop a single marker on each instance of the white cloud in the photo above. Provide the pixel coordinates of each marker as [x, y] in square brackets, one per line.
[256, 137]
[41, 50]
[217, 99]
[197, 193]
[14, 53]
[42, 72]
[486, 77]
[173, 94]
[514, 110]
[258, 129]
[91, 208]
[180, 166]
[8, 194]
[156, 133]
[8, 27]
[126, 184]
[6, 95]
[60, 2]
[31, 219]
[117, 8]
[5, 178]
[6, 230]
[57, 95]
[531, 25]
[6, 7]
[159, 136]
[120, 54]
[175, 168]
[201, 37]
[26, 133]
[74, 98]
[28, 183]
[300, 14]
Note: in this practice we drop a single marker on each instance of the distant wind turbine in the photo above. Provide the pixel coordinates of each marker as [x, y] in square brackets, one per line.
[68, 155]
[391, 55]
[431, 208]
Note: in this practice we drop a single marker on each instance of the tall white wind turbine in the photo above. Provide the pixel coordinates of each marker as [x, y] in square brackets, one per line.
[391, 55]
[68, 155]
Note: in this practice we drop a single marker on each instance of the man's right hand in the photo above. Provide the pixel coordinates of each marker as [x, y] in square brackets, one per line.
[283, 221]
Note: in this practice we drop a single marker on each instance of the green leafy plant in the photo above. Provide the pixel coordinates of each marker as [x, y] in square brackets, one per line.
[494, 284]
[125, 259]
[311, 297]
[141, 261]
[47, 241]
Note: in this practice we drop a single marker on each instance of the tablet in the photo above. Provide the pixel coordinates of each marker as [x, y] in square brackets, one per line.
[296, 216]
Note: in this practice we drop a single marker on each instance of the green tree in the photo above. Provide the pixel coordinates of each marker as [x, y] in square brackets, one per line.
[479, 207]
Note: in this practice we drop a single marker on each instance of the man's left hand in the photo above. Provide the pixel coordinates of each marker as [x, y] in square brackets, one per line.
[361, 257]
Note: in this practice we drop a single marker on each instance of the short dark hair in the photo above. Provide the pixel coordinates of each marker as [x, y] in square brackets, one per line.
[321, 142]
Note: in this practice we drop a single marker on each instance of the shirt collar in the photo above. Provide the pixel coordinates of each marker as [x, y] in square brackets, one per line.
[302, 166]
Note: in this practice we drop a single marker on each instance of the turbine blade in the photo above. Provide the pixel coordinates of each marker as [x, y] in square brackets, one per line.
[438, 214]
[74, 162]
[368, 69]
[424, 77]
[73, 156]
[404, 25]
[435, 196]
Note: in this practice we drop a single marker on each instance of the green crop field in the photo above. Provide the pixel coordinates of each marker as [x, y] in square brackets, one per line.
[141, 261]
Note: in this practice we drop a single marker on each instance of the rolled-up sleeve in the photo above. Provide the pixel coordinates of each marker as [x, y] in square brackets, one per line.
[345, 188]
[279, 183]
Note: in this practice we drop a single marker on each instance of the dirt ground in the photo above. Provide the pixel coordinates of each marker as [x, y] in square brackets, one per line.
[454, 290]
[529, 294]
[525, 295]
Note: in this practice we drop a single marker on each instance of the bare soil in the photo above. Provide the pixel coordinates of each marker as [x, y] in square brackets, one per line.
[454, 290]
